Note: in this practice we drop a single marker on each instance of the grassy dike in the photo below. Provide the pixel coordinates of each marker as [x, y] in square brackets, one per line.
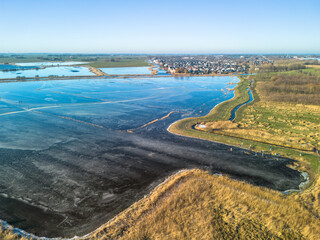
[222, 112]
[194, 204]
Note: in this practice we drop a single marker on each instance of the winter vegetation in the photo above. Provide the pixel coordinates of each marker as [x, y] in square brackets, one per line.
[197, 205]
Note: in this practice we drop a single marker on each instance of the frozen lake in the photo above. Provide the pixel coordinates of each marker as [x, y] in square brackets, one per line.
[4, 67]
[40, 64]
[46, 72]
[74, 153]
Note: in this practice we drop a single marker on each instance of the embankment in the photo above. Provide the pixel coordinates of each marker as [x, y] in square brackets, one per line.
[194, 204]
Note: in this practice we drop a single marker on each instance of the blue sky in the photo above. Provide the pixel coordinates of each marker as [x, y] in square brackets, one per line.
[138, 26]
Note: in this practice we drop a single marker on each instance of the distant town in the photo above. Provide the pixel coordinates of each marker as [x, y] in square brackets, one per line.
[200, 65]
[216, 64]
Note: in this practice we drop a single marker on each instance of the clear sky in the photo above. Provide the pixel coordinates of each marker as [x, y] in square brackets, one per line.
[176, 26]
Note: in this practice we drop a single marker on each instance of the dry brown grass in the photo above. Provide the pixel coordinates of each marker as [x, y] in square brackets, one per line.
[153, 70]
[296, 123]
[196, 205]
[313, 66]
[9, 235]
[218, 125]
[300, 87]
[251, 129]
[97, 71]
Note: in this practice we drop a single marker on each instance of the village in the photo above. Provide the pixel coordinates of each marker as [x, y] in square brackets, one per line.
[212, 64]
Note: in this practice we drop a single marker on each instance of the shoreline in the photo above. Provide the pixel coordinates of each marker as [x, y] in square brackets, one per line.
[57, 78]
[153, 190]
[162, 181]
[181, 133]
[174, 176]
[101, 75]
[132, 206]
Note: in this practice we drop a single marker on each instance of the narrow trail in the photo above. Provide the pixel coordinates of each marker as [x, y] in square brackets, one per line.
[152, 122]
[73, 119]
[73, 105]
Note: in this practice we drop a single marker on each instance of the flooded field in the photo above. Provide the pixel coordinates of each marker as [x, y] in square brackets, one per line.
[74, 153]
[10, 67]
[41, 64]
[47, 72]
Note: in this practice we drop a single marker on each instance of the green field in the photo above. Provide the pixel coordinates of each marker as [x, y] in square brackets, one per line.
[120, 62]
[98, 61]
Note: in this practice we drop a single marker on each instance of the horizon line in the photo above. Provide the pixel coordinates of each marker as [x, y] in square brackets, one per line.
[117, 53]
